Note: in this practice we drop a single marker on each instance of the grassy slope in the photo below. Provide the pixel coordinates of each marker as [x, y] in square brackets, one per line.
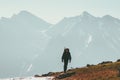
[108, 71]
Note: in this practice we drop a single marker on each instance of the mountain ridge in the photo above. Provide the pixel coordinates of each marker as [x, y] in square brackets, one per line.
[84, 13]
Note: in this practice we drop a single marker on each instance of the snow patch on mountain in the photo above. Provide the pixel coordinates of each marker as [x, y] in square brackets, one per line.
[29, 68]
[89, 40]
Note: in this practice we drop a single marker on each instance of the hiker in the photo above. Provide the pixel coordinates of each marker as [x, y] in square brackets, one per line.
[65, 58]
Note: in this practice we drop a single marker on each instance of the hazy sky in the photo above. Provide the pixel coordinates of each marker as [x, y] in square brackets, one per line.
[54, 10]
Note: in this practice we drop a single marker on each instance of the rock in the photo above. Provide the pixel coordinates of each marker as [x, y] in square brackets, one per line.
[65, 75]
[37, 75]
[48, 74]
[106, 62]
[118, 60]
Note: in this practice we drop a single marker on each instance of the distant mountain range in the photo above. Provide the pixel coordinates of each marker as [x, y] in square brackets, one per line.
[30, 45]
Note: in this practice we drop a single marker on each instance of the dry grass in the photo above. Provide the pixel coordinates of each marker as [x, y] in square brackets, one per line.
[107, 71]
[95, 75]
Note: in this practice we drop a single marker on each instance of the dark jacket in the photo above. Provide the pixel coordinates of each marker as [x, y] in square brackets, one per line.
[66, 56]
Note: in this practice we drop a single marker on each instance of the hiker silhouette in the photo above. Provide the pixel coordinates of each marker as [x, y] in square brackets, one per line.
[65, 58]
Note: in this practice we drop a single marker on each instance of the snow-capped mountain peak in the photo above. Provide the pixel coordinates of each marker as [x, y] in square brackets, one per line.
[22, 14]
[85, 14]
[108, 17]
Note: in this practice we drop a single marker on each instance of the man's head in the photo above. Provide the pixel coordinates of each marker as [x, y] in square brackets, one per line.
[66, 50]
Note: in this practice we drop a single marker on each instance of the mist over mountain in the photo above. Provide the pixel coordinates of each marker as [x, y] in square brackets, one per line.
[29, 45]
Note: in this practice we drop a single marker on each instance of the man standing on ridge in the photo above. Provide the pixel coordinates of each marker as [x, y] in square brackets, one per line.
[65, 58]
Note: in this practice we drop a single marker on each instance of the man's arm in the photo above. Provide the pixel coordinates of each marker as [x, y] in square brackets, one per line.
[62, 57]
[69, 57]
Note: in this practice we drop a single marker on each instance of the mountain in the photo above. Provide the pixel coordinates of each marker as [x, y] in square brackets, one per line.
[90, 39]
[29, 45]
[22, 38]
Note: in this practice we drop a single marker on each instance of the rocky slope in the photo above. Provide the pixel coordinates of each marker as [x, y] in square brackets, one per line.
[103, 71]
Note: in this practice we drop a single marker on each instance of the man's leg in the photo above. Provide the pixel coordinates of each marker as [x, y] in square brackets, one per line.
[65, 66]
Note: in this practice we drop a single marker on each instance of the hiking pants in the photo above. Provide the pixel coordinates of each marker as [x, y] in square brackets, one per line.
[65, 65]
